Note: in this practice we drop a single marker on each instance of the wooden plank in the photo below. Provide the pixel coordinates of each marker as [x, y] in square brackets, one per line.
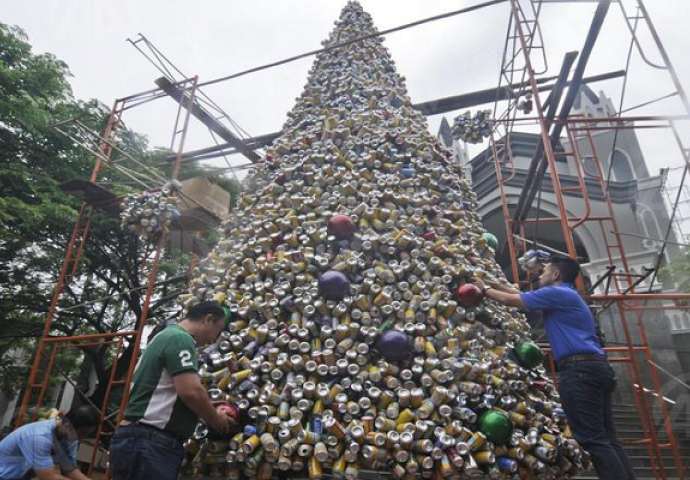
[93, 194]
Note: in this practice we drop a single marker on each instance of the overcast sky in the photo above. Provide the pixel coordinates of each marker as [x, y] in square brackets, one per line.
[214, 38]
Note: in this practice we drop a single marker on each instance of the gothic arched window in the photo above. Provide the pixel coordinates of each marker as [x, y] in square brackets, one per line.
[621, 168]
[650, 228]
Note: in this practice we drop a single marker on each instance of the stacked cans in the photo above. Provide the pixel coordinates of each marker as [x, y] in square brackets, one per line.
[149, 213]
[472, 128]
[351, 343]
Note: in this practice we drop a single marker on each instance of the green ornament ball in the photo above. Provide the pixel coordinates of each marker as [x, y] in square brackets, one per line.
[490, 239]
[529, 355]
[496, 426]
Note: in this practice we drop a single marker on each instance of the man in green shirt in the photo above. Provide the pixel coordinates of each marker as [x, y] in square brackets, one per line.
[166, 400]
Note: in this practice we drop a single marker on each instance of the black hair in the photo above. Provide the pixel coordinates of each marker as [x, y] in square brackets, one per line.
[201, 309]
[568, 268]
[84, 416]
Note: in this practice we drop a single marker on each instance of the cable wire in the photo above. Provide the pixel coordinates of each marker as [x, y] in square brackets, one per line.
[350, 42]
[620, 104]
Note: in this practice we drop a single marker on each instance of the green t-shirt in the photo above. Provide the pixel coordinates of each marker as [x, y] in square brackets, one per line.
[153, 400]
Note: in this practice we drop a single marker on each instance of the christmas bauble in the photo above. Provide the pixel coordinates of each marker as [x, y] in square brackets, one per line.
[529, 355]
[394, 345]
[468, 295]
[341, 226]
[490, 239]
[334, 285]
[231, 411]
[496, 426]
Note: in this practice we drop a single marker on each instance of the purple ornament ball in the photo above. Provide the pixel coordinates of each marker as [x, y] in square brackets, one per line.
[394, 345]
[334, 285]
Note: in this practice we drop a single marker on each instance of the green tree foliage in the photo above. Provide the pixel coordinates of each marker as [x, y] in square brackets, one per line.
[678, 271]
[37, 217]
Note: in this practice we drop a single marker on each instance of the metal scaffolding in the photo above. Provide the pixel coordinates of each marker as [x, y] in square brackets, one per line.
[524, 60]
[95, 197]
[622, 284]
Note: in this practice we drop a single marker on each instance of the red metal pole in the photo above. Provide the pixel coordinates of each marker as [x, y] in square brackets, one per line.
[656, 385]
[80, 249]
[664, 55]
[49, 317]
[46, 380]
[636, 296]
[582, 186]
[111, 130]
[504, 206]
[645, 413]
[93, 336]
[142, 322]
[104, 408]
[548, 151]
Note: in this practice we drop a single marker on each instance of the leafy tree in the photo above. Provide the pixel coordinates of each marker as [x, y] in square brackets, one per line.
[678, 272]
[37, 217]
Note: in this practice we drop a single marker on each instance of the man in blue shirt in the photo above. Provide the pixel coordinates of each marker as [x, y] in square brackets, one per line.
[586, 381]
[29, 450]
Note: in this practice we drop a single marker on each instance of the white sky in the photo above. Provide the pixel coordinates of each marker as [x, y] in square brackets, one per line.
[214, 38]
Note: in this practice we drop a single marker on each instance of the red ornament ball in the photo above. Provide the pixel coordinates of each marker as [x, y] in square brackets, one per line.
[231, 411]
[468, 295]
[341, 226]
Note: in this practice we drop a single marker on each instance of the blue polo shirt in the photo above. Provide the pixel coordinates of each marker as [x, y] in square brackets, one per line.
[568, 321]
[32, 446]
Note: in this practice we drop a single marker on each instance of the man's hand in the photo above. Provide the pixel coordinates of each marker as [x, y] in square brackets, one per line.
[502, 294]
[76, 475]
[193, 394]
[479, 283]
[222, 423]
[491, 282]
[52, 474]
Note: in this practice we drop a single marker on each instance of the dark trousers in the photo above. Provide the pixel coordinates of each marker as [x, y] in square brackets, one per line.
[586, 390]
[141, 453]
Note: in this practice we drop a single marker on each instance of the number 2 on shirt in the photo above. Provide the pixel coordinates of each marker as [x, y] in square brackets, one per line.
[185, 358]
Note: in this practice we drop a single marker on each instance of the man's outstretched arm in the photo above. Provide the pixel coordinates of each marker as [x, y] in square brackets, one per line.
[76, 475]
[506, 295]
[52, 474]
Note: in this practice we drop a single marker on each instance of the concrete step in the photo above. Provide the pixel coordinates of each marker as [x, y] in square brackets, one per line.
[643, 462]
[675, 414]
[641, 450]
[636, 433]
[628, 426]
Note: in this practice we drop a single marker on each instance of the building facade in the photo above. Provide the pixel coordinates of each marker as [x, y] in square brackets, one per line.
[637, 198]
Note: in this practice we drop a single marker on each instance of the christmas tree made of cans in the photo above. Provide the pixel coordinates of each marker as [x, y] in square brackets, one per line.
[356, 340]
